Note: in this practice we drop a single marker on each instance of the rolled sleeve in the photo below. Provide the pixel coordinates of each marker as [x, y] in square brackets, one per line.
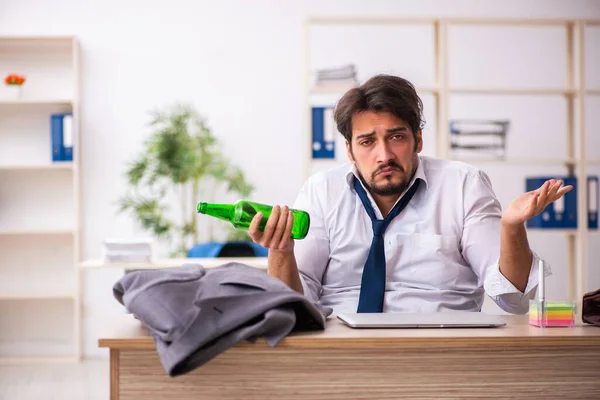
[506, 295]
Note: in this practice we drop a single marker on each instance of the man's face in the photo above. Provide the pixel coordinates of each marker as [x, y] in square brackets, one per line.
[384, 152]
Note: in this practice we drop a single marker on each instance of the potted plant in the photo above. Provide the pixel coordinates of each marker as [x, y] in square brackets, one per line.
[13, 84]
[180, 157]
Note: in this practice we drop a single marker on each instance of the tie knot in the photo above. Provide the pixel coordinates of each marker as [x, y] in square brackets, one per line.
[379, 226]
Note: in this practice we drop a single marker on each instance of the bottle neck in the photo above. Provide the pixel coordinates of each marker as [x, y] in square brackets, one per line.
[202, 207]
[221, 211]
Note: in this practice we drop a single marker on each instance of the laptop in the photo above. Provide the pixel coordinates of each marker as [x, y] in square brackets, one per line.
[447, 319]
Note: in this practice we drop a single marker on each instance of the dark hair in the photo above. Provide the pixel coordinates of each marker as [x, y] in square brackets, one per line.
[380, 93]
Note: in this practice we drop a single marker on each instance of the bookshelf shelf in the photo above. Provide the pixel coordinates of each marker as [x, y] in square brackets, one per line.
[514, 160]
[568, 232]
[6, 360]
[38, 167]
[340, 90]
[39, 217]
[513, 91]
[24, 295]
[351, 20]
[37, 232]
[29, 40]
[35, 102]
[37, 351]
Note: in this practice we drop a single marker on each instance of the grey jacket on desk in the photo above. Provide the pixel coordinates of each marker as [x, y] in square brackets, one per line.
[195, 314]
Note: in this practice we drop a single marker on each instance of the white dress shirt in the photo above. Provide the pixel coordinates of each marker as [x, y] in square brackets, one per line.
[441, 252]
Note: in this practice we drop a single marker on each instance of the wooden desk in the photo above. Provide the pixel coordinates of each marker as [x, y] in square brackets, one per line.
[517, 361]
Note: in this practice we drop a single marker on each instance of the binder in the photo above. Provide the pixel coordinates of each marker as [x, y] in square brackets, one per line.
[593, 202]
[56, 137]
[61, 135]
[323, 133]
[562, 214]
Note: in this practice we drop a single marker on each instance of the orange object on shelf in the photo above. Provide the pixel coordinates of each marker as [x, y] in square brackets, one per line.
[14, 79]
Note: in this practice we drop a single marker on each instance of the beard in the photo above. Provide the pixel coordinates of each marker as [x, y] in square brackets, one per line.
[387, 187]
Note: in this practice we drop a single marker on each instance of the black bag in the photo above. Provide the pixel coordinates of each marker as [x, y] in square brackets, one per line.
[590, 310]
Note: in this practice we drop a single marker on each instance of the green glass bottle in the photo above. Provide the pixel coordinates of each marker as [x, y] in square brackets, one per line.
[241, 212]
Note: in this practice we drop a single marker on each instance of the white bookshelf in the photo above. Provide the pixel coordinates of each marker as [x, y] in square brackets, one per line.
[39, 204]
[451, 62]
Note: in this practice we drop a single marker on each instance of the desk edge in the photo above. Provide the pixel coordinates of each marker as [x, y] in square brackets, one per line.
[384, 342]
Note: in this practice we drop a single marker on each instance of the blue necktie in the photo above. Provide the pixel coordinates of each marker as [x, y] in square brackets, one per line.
[372, 287]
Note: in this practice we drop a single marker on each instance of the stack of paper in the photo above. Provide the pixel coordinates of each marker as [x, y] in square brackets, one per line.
[341, 76]
[127, 250]
[479, 137]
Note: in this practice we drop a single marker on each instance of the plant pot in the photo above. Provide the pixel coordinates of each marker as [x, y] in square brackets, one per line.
[12, 92]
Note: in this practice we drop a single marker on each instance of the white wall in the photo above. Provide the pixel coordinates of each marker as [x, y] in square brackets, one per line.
[239, 62]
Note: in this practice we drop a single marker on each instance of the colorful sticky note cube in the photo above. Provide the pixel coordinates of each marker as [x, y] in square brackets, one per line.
[555, 313]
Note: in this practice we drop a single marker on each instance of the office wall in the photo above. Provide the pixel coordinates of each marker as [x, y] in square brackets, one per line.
[241, 64]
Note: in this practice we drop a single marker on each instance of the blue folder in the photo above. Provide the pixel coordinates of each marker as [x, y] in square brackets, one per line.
[553, 218]
[61, 136]
[56, 137]
[321, 148]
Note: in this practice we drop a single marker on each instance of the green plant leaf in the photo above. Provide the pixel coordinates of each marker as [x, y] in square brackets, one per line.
[149, 214]
[137, 170]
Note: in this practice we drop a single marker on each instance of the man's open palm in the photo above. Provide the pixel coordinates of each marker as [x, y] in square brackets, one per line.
[530, 204]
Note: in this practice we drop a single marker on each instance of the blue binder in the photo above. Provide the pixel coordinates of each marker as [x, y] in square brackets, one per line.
[61, 135]
[323, 141]
[554, 218]
[56, 137]
[593, 202]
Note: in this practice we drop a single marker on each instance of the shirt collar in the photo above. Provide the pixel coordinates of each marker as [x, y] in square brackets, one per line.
[419, 173]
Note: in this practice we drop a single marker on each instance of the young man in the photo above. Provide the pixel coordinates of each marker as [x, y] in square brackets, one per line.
[394, 231]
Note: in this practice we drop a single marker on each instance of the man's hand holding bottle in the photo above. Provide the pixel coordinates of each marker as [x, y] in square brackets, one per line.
[277, 234]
